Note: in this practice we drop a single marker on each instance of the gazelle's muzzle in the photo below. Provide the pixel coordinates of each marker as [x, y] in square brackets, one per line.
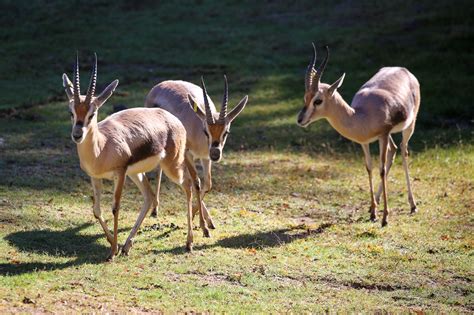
[301, 117]
[77, 133]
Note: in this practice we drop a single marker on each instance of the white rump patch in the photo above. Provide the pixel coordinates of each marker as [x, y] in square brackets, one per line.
[403, 125]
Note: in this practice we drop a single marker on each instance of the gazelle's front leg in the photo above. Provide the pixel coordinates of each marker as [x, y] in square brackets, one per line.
[142, 183]
[159, 173]
[383, 143]
[207, 185]
[196, 183]
[119, 180]
[368, 166]
[97, 187]
[206, 170]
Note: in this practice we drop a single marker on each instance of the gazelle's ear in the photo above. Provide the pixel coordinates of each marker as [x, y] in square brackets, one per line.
[67, 84]
[106, 93]
[237, 109]
[194, 105]
[333, 88]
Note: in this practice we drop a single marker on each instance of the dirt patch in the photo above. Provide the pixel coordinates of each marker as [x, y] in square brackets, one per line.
[208, 279]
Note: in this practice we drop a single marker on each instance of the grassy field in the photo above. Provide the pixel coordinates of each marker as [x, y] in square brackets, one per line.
[290, 204]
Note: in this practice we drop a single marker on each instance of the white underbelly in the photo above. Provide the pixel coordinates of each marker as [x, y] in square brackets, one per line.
[146, 165]
[90, 171]
[368, 140]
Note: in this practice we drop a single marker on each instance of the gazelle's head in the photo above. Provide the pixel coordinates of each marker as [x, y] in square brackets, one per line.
[84, 109]
[216, 126]
[318, 97]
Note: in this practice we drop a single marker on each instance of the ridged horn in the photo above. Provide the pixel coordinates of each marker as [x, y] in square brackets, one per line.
[322, 66]
[77, 88]
[210, 119]
[310, 71]
[93, 82]
[225, 101]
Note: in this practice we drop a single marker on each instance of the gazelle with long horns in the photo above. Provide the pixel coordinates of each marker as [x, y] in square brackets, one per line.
[388, 103]
[206, 129]
[128, 143]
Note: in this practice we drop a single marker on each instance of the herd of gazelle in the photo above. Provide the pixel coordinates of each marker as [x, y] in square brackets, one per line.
[180, 124]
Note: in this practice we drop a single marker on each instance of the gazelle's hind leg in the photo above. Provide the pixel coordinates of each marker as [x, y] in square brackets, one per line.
[392, 151]
[176, 169]
[119, 180]
[159, 173]
[368, 166]
[406, 135]
[142, 183]
[383, 143]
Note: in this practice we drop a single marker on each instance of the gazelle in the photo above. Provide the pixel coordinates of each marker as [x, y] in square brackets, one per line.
[387, 103]
[128, 143]
[206, 129]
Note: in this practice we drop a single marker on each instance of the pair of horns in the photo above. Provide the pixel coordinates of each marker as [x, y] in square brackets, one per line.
[92, 83]
[225, 100]
[313, 76]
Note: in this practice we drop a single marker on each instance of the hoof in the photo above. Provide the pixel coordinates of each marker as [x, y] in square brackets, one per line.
[384, 223]
[206, 233]
[126, 248]
[373, 218]
[111, 257]
[414, 210]
[154, 213]
[189, 247]
[211, 225]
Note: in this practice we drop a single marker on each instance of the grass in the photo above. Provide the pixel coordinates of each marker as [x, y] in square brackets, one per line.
[290, 204]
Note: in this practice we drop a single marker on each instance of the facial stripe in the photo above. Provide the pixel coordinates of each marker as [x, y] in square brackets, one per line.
[81, 112]
[216, 131]
[308, 97]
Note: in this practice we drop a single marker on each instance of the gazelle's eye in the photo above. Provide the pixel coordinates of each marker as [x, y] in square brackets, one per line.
[226, 133]
[90, 117]
[72, 115]
[317, 102]
[205, 132]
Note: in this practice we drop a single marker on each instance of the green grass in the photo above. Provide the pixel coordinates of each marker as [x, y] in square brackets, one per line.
[290, 204]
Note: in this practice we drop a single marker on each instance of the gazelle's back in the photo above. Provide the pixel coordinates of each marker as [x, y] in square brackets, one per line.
[395, 84]
[172, 96]
[138, 134]
[393, 95]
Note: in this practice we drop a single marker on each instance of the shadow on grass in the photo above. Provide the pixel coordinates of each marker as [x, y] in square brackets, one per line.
[65, 244]
[257, 241]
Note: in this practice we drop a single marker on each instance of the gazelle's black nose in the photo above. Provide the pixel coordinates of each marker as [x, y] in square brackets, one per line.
[215, 154]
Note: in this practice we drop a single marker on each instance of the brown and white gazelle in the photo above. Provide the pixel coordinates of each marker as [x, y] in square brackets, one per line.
[206, 129]
[128, 143]
[387, 103]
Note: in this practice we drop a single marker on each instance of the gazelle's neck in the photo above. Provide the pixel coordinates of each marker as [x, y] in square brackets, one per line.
[90, 149]
[344, 119]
